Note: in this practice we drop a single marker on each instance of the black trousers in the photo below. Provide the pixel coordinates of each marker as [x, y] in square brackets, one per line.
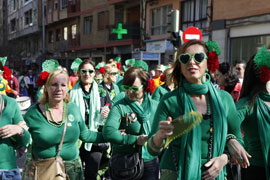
[91, 161]
[253, 173]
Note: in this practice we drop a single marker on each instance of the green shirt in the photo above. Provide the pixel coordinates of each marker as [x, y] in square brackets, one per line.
[160, 92]
[118, 120]
[251, 135]
[169, 106]
[11, 114]
[46, 137]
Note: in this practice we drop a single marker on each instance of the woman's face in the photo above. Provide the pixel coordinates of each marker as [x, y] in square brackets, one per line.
[220, 78]
[193, 71]
[113, 75]
[131, 94]
[57, 90]
[87, 73]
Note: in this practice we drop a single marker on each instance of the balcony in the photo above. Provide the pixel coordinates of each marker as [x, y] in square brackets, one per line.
[115, 1]
[75, 41]
[61, 46]
[73, 7]
[133, 32]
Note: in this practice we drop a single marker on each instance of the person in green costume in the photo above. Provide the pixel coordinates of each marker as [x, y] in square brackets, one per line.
[254, 112]
[133, 116]
[85, 95]
[14, 134]
[46, 122]
[163, 89]
[198, 154]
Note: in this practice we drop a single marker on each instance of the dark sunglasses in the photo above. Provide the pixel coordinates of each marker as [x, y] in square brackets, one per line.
[198, 57]
[84, 71]
[132, 88]
[113, 73]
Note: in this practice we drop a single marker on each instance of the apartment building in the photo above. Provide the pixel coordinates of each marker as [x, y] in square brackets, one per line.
[3, 23]
[241, 27]
[24, 33]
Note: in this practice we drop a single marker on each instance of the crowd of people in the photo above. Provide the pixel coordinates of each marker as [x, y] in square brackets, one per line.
[113, 121]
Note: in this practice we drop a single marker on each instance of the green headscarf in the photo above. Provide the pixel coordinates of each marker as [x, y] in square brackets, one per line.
[75, 64]
[190, 147]
[263, 120]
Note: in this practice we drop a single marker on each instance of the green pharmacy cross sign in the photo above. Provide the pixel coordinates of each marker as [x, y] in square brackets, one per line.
[119, 31]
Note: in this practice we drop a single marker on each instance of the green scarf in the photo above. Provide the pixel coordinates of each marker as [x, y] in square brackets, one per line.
[144, 113]
[263, 120]
[190, 146]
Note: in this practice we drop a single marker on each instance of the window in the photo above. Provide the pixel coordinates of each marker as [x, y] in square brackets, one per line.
[13, 5]
[49, 6]
[13, 25]
[50, 37]
[103, 20]
[88, 25]
[65, 34]
[245, 47]
[55, 5]
[63, 4]
[58, 35]
[28, 19]
[159, 20]
[194, 13]
[73, 31]
[26, 1]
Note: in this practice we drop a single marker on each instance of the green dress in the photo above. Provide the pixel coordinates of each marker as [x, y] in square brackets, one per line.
[11, 114]
[256, 126]
[186, 155]
[122, 117]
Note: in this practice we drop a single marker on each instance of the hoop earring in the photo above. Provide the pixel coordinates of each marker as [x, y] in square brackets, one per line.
[207, 77]
[2, 84]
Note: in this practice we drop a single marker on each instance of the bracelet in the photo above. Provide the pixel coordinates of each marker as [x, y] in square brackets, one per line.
[229, 156]
[22, 132]
[230, 136]
[154, 146]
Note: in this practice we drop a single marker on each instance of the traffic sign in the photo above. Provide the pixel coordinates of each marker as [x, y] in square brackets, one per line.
[192, 33]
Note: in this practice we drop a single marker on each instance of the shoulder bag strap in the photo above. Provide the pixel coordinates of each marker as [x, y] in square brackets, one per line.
[64, 132]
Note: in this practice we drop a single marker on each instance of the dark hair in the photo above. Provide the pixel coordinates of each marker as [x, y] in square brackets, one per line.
[241, 62]
[85, 62]
[231, 79]
[176, 73]
[252, 84]
[224, 67]
[1, 66]
[136, 72]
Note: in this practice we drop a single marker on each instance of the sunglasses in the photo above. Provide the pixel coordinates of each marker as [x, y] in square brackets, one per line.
[113, 73]
[132, 88]
[198, 57]
[84, 71]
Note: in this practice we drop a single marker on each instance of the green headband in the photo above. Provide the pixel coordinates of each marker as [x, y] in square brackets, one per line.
[213, 46]
[118, 59]
[262, 58]
[99, 65]
[142, 64]
[3, 60]
[50, 65]
[75, 64]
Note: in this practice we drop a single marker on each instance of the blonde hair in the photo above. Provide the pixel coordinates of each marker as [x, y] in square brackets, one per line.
[45, 98]
[108, 69]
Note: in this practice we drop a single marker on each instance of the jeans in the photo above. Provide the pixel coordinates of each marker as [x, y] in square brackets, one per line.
[13, 174]
[151, 170]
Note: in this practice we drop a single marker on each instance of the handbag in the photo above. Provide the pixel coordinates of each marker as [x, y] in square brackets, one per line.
[51, 168]
[126, 166]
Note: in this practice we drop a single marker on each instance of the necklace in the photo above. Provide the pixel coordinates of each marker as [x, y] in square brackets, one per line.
[211, 129]
[53, 122]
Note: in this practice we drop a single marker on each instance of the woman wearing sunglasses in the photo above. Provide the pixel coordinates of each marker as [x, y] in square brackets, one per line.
[85, 95]
[198, 154]
[133, 117]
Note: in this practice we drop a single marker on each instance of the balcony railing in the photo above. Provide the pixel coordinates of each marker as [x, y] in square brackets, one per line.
[73, 6]
[133, 32]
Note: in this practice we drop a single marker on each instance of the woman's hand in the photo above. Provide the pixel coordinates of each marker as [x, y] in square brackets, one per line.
[10, 130]
[165, 128]
[105, 113]
[239, 154]
[141, 139]
[215, 165]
